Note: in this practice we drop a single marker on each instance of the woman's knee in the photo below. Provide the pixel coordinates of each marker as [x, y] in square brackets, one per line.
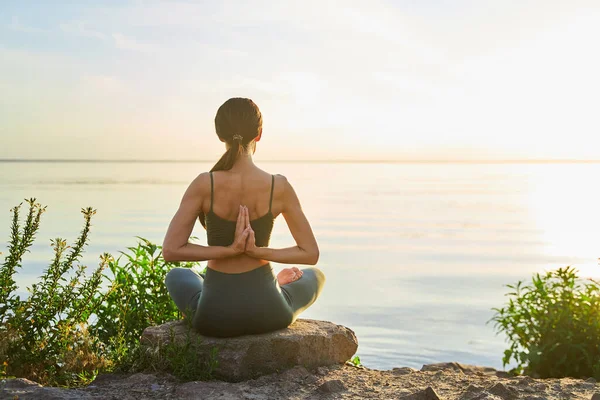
[318, 273]
[174, 275]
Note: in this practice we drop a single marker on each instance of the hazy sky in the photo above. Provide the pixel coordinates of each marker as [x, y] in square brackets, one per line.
[348, 79]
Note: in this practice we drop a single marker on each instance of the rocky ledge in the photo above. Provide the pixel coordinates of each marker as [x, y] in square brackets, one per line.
[448, 381]
[308, 343]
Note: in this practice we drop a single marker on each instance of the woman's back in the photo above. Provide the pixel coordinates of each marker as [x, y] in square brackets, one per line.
[260, 193]
[251, 188]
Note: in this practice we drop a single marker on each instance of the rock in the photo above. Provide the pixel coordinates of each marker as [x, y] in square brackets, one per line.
[155, 386]
[504, 392]
[474, 389]
[596, 396]
[310, 343]
[525, 380]
[47, 393]
[107, 379]
[18, 383]
[403, 371]
[457, 367]
[332, 386]
[296, 374]
[427, 394]
[322, 371]
[590, 380]
[480, 396]
[140, 379]
[212, 390]
[473, 392]
[24, 389]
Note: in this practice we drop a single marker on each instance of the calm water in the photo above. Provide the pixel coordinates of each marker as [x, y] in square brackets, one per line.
[415, 254]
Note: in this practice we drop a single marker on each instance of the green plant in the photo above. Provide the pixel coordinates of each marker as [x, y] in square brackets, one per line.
[138, 298]
[552, 325]
[45, 337]
[356, 361]
[179, 359]
[70, 326]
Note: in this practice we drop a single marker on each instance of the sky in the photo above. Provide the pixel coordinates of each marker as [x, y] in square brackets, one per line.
[335, 80]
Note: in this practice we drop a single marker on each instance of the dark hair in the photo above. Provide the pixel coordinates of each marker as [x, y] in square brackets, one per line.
[237, 117]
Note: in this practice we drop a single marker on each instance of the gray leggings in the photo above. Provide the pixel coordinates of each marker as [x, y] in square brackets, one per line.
[227, 305]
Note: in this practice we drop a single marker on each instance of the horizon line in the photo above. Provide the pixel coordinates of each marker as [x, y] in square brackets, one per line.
[342, 161]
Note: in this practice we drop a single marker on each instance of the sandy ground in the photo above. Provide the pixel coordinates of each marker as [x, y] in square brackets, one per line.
[438, 381]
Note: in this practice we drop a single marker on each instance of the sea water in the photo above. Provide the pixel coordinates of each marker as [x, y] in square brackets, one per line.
[415, 254]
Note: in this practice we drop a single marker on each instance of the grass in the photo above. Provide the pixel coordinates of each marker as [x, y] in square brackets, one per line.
[179, 359]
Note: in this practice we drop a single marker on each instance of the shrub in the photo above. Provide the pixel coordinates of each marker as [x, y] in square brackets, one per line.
[69, 327]
[138, 298]
[553, 326]
[45, 337]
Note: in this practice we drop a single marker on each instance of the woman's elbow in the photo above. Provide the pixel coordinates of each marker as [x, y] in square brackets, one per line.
[313, 257]
[168, 253]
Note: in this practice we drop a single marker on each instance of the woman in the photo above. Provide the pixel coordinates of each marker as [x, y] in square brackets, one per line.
[237, 203]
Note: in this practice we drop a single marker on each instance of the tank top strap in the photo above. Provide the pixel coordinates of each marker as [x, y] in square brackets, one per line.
[272, 185]
[211, 191]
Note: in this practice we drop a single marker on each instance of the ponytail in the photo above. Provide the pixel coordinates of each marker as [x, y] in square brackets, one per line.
[229, 158]
[238, 122]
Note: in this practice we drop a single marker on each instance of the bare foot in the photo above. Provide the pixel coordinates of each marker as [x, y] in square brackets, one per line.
[288, 275]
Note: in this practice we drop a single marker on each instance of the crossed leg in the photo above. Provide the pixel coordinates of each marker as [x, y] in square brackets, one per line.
[184, 286]
[303, 292]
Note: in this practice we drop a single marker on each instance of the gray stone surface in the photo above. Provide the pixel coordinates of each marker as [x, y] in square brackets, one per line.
[403, 371]
[503, 391]
[308, 343]
[332, 386]
[427, 394]
[458, 367]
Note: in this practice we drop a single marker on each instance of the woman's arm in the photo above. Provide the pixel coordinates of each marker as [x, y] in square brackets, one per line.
[175, 244]
[306, 250]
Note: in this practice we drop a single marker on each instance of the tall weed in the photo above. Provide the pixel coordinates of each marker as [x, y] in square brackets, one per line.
[45, 337]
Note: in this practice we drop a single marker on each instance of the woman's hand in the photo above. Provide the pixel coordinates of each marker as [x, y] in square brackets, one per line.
[242, 231]
[251, 248]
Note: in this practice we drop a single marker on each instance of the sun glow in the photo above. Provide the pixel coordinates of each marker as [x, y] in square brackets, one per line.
[568, 222]
[378, 80]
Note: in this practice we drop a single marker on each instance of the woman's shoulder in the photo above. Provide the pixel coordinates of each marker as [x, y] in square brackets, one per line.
[202, 177]
[281, 181]
[201, 183]
[282, 187]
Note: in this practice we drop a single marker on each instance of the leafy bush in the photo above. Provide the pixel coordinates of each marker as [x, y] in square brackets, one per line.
[45, 337]
[138, 298]
[553, 326]
[70, 327]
